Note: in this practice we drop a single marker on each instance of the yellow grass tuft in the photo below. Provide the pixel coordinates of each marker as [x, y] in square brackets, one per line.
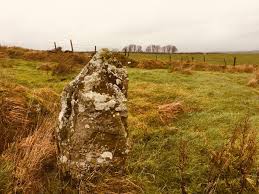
[167, 112]
[254, 82]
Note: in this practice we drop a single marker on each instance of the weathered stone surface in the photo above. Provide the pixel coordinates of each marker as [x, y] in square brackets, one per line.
[92, 132]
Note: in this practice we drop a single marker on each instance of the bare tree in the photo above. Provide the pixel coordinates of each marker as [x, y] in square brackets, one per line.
[153, 48]
[150, 48]
[169, 49]
[139, 48]
[132, 48]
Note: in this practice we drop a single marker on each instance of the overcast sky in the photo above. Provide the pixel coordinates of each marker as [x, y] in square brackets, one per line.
[191, 25]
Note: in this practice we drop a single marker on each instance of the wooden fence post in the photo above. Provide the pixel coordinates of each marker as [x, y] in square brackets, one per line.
[204, 58]
[71, 44]
[156, 57]
[235, 60]
[170, 58]
[55, 45]
[95, 49]
[125, 52]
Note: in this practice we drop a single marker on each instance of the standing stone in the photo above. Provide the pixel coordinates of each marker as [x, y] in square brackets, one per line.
[92, 133]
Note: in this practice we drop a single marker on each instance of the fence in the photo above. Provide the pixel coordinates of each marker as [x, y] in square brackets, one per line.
[211, 57]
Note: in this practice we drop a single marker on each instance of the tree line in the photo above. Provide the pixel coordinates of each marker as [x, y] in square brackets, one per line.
[150, 49]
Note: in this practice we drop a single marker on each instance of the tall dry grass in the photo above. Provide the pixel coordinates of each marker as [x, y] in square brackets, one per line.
[152, 64]
[32, 157]
[15, 114]
[233, 168]
[27, 149]
[203, 66]
[65, 62]
[21, 110]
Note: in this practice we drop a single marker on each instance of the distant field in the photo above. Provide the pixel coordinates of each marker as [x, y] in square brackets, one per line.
[242, 58]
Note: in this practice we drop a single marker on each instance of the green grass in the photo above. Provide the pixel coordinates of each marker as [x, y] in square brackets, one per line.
[26, 73]
[215, 103]
[210, 58]
[218, 100]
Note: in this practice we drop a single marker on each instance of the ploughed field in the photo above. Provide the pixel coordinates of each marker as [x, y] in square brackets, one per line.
[177, 122]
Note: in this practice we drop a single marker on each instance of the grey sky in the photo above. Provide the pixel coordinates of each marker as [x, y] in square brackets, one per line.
[191, 25]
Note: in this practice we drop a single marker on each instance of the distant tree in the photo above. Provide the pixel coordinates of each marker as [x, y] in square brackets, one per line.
[174, 49]
[124, 49]
[157, 49]
[163, 49]
[132, 48]
[139, 48]
[169, 49]
[153, 48]
[149, 49]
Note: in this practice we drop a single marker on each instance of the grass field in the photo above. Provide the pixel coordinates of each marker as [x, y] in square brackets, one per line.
[242, 58]
[213, 104]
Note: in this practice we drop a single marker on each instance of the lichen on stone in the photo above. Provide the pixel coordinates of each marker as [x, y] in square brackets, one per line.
[92, 131]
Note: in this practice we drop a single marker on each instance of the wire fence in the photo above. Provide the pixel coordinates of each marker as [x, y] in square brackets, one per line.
[211, 58]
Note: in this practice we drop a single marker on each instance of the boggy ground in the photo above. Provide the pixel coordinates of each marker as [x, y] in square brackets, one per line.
[177, 154]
